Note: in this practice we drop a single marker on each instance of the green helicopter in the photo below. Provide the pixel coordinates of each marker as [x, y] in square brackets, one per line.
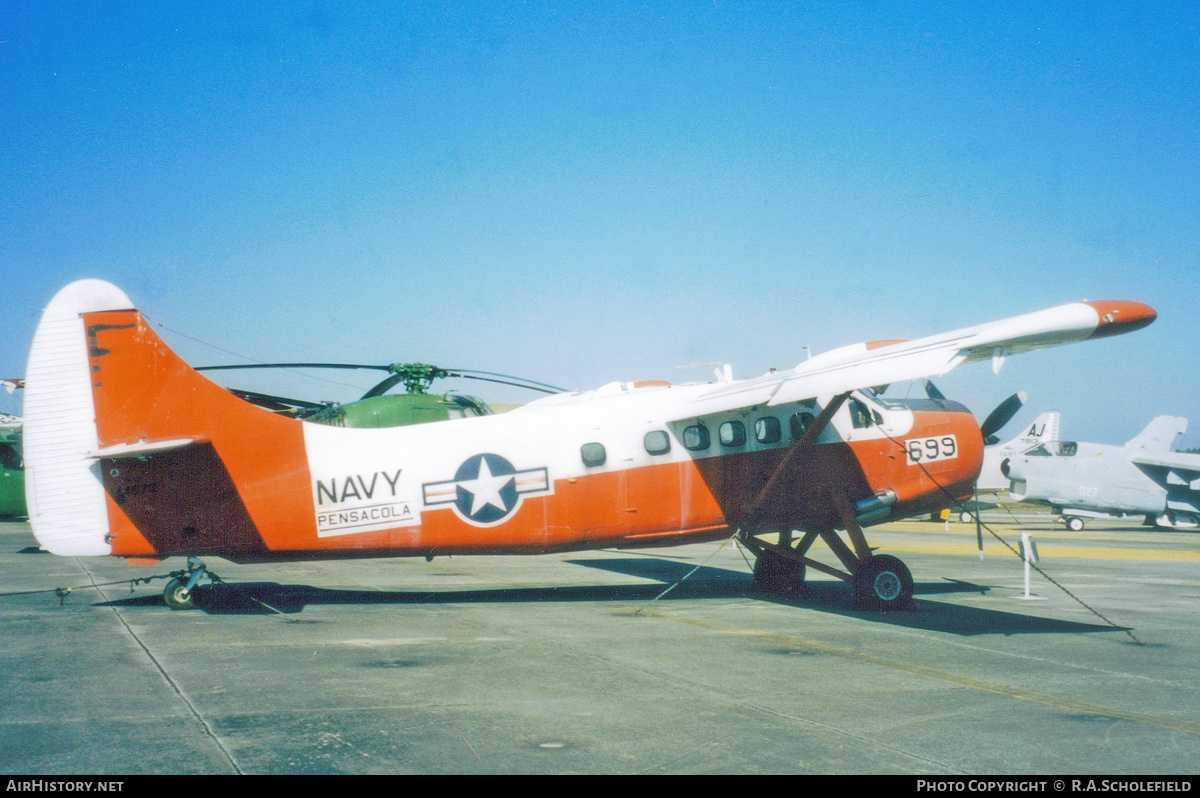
[378, 408]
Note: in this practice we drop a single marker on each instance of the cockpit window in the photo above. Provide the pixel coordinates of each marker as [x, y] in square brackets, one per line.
[1067, 448]
[10, 458]
[1038, 451]
[860, 415]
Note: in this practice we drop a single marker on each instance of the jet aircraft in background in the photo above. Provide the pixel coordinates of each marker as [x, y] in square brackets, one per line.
[1044, 428]
[1092, 480]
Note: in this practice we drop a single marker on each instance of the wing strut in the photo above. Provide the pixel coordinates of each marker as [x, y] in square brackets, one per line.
[880, 582]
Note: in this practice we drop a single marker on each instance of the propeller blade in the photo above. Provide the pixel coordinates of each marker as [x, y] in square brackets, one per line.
[1002, 414]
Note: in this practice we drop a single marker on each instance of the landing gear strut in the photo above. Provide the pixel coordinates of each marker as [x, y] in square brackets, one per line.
[880, 581]
[178, 594]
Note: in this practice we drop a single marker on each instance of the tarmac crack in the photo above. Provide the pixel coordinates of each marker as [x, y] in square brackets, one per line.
[192, 708]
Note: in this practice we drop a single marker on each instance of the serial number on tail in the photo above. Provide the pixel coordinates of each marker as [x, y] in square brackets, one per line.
[928, 450]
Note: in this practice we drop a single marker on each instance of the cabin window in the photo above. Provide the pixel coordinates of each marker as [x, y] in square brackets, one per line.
[732, 433]
[697, 438]
[593, 454]
[657, 442]
[800, 423]
[860, 416]
[767, 430]
[1067, 449]
[9, 458]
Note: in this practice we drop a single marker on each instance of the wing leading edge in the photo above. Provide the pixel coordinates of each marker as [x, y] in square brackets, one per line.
[862, 365]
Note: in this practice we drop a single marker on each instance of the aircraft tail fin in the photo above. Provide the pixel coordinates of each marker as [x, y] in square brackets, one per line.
[1160, 434]
[1045, 427]
[130, 451]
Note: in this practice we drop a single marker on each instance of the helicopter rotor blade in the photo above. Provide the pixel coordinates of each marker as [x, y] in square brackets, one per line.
[404, 372]
[295, 366]
[524, 382]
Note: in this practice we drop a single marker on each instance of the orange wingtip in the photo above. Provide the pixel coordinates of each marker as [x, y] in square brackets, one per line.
[1118, 316]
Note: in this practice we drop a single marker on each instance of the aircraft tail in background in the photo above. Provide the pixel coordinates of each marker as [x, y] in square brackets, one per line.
[1044, 428]
[1160, 434]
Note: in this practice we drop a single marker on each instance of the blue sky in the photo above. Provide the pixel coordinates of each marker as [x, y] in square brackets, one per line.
[580, 193]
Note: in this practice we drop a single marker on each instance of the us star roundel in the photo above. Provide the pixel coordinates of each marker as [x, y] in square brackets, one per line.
[486, 489]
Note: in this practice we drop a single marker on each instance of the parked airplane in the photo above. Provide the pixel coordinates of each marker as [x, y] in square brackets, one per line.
[1091, 480]
[130, 452]
[1044, 428]
[991, 480]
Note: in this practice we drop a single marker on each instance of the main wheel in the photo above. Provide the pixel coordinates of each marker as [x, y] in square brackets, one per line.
[965, 517]
[775, 574]
[882, 582]
[1074, 523]
[177, 596]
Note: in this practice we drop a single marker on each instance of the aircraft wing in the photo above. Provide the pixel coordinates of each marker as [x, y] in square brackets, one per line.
[863, 365]
[1171, 467]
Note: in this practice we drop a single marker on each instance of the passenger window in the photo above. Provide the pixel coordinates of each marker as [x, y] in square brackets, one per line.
[657, 442]
[767, 430]
[800, 423]
[593, 454]
[732, 433]
[696, 438]
[860, 416]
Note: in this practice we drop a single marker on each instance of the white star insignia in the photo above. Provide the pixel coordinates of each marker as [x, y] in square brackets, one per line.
[485, 488]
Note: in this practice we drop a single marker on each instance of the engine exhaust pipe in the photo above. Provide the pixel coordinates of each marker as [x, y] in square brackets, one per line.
[874, 509]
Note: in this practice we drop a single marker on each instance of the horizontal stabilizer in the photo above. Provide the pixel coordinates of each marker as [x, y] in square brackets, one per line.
[140, 449]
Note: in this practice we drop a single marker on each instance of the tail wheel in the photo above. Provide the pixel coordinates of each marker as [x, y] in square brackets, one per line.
[177, 596]
[883, 582]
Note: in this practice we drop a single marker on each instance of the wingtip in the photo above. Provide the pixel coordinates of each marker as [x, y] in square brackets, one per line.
[1119, 316]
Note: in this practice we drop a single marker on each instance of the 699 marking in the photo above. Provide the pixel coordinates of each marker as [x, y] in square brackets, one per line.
[927, 450]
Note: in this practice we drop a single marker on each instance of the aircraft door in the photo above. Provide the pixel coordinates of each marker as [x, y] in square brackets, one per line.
[592, 503]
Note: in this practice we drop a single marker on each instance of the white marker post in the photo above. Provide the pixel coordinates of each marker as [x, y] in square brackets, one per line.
[1028, 555]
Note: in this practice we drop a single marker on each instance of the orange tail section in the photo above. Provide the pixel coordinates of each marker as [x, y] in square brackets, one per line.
[173, 462]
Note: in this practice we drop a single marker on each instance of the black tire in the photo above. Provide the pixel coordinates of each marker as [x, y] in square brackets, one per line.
[1074, 523]
[177, 596]
[775, 574]
[883, 582]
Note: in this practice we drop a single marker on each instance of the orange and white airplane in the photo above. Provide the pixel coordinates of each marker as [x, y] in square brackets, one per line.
[132, 453]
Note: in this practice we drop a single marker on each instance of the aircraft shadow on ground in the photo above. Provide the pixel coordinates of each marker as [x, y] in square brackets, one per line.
[835, 597]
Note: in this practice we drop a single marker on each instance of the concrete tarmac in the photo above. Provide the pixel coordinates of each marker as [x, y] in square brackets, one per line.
[565, 663]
